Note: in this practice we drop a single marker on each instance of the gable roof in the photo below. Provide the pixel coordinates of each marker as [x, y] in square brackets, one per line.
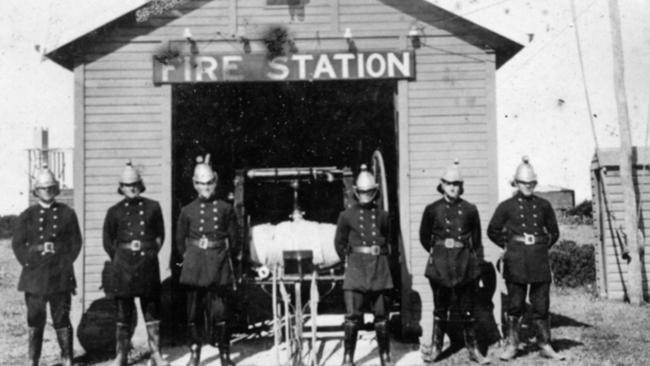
[505, 48]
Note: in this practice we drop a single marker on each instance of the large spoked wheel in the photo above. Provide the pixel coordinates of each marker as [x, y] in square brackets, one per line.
[379, 171]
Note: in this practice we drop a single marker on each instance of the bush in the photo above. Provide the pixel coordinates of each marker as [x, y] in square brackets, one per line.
[7, 226]
[572, 265]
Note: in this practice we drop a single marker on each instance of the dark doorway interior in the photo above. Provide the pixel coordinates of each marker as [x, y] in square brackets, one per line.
[298, 124]
[253, 125]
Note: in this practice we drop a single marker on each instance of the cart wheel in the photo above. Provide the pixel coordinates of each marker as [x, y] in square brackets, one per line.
[379, 171]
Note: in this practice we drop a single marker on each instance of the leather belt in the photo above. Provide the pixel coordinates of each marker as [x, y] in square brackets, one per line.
[47, 247]
[372, 250]
[205, 243]
[450, 243]
[529, 239]
[135, 245]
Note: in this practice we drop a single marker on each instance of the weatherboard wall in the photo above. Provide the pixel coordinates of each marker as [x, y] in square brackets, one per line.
[612, 268]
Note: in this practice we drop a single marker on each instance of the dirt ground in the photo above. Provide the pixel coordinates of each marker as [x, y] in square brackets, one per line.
[588, 330]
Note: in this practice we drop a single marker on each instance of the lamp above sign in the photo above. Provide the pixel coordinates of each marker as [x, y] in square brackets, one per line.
[295, 67]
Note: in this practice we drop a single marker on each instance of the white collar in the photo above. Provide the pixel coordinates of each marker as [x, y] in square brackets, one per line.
[45, 205]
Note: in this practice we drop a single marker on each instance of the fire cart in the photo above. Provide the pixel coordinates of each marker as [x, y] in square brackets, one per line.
[290, 270]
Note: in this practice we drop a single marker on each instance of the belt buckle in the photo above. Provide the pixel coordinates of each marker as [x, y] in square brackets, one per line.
[48, 247]
[136, 245]
[375, 250]
[450, 243]
[203, 243]
[529, 239]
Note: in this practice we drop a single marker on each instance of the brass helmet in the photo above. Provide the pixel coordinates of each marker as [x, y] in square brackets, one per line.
[365, 183]
[203, 172]
[365, 180]
[452, 174]
[130, 174]
[525, 172]
[44, 178]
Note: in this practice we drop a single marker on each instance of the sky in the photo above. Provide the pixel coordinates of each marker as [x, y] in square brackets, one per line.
[541, 105]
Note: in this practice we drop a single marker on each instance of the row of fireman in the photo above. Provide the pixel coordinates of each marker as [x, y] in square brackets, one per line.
[47, 241]
[523, 225]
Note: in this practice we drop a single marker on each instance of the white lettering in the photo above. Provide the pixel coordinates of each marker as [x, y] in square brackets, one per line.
[404, 66]
[345, 63]
[371, 61]
[278, 64]
[165, 72]
[230, 68]
[360, 66]
[302, 64]
[324, 65]
[209, 70]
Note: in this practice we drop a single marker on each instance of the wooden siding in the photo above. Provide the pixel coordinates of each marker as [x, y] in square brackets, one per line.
[612, 269]
[448, 110]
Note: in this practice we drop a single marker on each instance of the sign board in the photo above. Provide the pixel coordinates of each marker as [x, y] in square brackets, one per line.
[295, 67]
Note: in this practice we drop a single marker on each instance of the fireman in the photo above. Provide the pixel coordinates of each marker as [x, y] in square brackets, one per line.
[206, 236]
[362, 236]
[451, 232]
[525, 226]
[46, 242]
[133, 234]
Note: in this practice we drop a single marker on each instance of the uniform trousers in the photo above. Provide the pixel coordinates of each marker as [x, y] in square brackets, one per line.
[208, 302]
[539, 299]
[444, 299]
[59, 309]
[354, 300]
[126, 309]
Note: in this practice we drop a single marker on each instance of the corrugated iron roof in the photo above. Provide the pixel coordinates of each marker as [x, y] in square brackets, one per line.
[610, 157]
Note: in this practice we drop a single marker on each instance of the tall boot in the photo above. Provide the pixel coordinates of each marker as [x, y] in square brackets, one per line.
[153, 333]
[430, 354]
[35, 345]
[513, 339]
[223, 339]
[195, 345]
[64, 336]
[122, 340]
[383, 341]
[544, 340]
[349, 342]
[469, 332]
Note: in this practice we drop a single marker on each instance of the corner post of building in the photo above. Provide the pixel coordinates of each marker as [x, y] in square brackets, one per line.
[492, 174]
[78, 303]
[166, 106]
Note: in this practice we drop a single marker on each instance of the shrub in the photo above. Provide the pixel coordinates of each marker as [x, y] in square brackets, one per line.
[7, 226]
[572, 265]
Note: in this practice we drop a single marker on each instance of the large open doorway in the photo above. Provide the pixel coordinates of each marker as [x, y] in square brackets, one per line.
[296, 124]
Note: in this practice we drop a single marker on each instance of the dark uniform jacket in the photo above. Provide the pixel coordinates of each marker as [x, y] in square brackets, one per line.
[135, 272]
[47, 273]
[366, 226]
[458, 223]
[216, 221]
[521, 215]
